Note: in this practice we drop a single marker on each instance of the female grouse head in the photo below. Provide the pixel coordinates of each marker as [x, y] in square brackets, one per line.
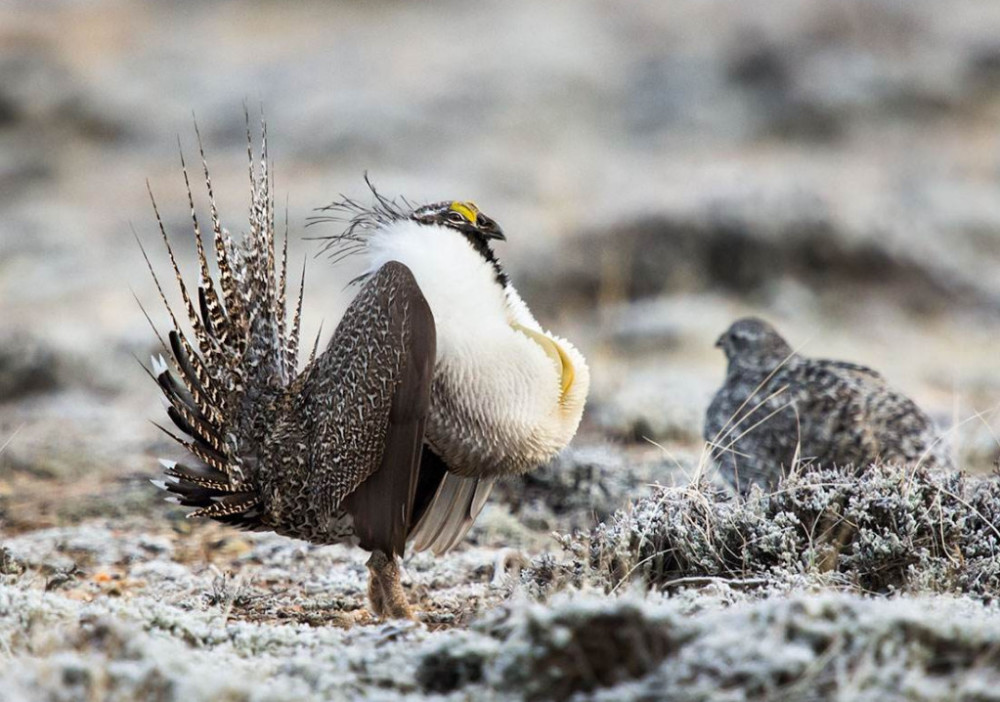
[751, 344]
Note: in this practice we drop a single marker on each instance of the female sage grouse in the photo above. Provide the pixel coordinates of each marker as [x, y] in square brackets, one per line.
[777, 410]
[437, 381]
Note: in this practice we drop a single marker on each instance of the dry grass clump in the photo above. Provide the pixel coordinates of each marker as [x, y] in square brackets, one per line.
[886, 530]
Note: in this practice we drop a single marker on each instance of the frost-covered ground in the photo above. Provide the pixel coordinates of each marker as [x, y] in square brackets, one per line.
[882, 587]
[659, 169]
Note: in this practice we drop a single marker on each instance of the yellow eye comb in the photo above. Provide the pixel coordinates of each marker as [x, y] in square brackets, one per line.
[467, 210]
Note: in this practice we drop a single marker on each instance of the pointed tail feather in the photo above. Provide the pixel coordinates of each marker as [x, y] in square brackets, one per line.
[220, 389]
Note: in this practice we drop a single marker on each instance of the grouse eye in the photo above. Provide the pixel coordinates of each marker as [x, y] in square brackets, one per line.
[456, 218]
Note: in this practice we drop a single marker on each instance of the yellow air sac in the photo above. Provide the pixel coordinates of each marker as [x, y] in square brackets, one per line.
[554, 352]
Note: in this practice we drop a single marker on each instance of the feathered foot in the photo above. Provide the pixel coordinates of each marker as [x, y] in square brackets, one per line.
[385, 591]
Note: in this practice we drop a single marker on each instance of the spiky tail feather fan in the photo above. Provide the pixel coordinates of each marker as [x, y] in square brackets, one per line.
[222, 392]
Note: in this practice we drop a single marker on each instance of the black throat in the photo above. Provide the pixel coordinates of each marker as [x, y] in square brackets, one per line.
[480, 244]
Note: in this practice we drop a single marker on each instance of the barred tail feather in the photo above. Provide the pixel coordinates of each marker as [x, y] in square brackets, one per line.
[197, 391]
[227, 280]
[221, 389]
[292, 347]
[213, 314]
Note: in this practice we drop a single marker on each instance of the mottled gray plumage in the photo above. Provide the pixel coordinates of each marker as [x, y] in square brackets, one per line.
[778, 410]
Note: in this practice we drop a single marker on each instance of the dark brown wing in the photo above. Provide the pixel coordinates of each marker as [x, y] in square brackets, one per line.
[381, 506]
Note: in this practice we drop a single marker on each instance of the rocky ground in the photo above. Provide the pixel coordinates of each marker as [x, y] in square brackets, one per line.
[660, 170]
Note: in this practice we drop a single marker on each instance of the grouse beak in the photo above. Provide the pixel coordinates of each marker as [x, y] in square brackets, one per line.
[718, 342]
[497, 233]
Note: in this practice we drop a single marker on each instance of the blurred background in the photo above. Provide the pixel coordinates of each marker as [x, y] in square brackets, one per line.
[660, 169]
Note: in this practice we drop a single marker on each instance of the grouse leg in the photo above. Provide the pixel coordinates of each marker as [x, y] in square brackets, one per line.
[385, 591]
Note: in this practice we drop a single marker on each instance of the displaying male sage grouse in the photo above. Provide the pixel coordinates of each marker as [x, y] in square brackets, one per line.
[778, 410]
[437, 381]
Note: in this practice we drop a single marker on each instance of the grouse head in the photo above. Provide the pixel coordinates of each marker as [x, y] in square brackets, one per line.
[751, 344]
[464, 217]
[365, 222]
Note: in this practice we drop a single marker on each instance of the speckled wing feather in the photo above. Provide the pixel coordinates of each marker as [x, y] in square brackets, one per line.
[382, 504]
[814, 412]
[834, 404]
[876, 422]
[355, 414]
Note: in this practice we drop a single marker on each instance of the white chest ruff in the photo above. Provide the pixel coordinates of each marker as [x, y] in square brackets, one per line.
[498, 404]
